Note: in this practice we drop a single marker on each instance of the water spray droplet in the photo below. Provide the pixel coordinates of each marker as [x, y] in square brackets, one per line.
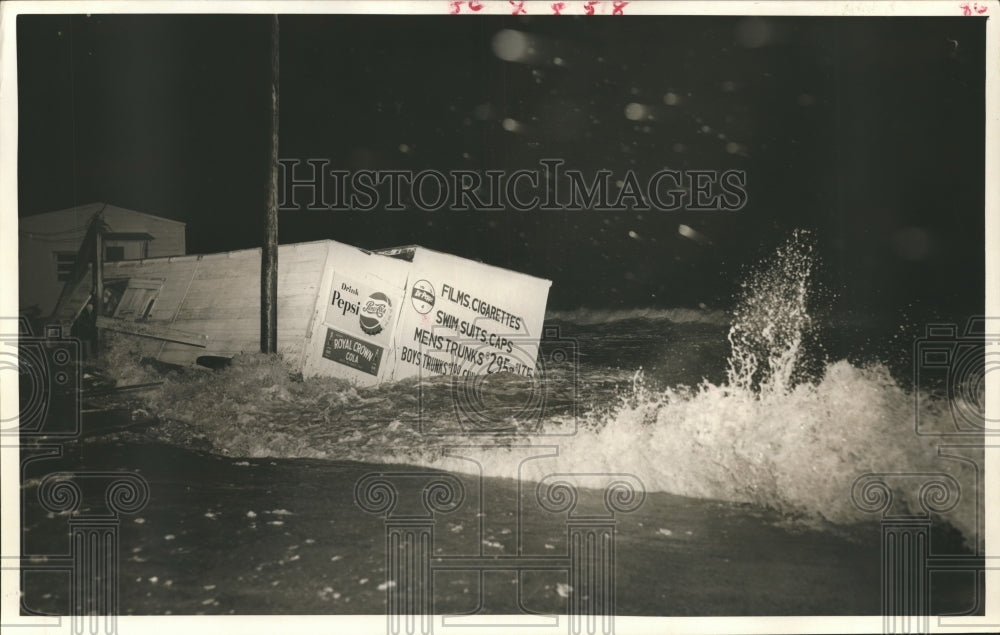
[512, 46]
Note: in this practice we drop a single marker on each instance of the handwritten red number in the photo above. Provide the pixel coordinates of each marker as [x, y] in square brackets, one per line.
[588, 6]
[518, 7]
[455, 7]
[557, 7]
[981, 10]
[619, 8]
[475, 6]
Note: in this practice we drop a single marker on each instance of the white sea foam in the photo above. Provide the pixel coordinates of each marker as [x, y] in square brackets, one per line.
[768, 435]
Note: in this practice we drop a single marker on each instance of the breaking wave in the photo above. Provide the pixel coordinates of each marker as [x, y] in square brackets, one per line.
[770, 434]
[587, 317]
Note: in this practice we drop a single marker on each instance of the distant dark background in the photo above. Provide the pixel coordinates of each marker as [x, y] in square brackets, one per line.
[868, 131]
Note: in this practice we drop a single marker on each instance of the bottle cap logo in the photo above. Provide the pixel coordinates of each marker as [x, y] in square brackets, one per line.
[422, 296]
[376, 312]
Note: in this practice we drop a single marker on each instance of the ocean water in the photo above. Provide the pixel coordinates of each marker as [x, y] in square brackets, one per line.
[755, 405]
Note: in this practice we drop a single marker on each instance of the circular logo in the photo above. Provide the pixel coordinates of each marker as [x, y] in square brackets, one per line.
[422, 296]
[375, 313]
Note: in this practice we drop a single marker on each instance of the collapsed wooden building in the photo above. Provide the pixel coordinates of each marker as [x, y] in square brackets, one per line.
[369, 316]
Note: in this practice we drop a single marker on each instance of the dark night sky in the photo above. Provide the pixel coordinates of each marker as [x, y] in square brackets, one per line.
[869, 131]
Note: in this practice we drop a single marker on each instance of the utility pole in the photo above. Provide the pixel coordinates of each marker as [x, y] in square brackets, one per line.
[98, 299]
[269, 254]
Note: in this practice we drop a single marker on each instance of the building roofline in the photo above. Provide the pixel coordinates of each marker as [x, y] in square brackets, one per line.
[96, 206]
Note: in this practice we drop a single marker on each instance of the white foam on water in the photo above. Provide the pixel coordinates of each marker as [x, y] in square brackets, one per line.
[769, 435]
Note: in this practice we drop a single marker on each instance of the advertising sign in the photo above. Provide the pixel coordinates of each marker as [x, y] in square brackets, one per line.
[462, 317]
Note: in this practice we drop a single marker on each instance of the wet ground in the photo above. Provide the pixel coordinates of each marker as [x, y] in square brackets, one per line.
[224, 535]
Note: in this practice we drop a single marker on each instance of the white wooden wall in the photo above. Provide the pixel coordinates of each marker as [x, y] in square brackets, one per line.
[218, 295]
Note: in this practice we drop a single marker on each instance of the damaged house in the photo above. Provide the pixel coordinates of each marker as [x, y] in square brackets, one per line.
[367, 316]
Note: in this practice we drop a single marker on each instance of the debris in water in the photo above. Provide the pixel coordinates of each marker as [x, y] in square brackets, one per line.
[563, 590]
[666, 532]
[387, 585]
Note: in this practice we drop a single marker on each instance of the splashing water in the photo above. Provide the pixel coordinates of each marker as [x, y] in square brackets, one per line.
[765, 436]
[771, 319]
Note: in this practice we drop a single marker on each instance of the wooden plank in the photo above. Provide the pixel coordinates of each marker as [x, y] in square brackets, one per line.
[75, 303]
[146, 329]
